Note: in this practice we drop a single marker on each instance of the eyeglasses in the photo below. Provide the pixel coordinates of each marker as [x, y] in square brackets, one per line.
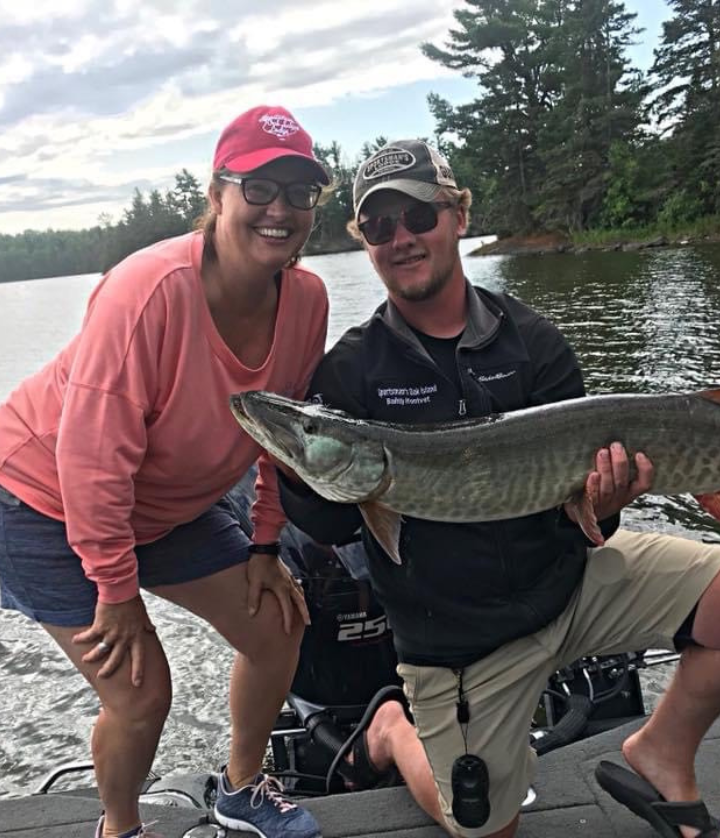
[261, 191]
[419, 218]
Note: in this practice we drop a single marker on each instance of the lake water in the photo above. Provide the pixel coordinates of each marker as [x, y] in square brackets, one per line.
[640, 322]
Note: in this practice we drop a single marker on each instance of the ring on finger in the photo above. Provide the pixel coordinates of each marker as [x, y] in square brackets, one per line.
[103, 647]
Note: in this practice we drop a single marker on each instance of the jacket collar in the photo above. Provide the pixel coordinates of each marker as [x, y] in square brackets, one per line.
[483, 320]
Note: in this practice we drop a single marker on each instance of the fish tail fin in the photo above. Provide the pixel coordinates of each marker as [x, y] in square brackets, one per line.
[710, 503]
[712, 395]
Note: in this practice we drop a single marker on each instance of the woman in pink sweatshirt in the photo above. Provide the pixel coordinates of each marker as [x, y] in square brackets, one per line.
[115, 459]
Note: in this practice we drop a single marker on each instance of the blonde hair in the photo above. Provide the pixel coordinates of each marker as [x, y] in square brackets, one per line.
[460, 197]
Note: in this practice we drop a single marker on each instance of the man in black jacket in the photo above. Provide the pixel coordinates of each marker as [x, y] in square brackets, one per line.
[484, 613]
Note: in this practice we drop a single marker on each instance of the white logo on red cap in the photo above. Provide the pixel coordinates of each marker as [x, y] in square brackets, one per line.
[280, 126]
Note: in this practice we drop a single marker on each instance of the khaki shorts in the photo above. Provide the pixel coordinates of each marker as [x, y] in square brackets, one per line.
[637, 591]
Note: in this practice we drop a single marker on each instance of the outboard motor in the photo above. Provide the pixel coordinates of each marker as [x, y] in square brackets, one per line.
[347, 653]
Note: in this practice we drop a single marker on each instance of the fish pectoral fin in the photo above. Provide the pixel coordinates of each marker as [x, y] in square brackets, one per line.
[710, 503]
[385, 525]
[584, 509]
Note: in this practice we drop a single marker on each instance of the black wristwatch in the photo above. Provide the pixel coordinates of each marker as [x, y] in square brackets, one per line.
[265, 549]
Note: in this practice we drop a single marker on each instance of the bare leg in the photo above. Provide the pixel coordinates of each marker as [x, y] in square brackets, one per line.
[127, 731]
[663, 751]
[392, 739]
[259, 684]
[264, 665]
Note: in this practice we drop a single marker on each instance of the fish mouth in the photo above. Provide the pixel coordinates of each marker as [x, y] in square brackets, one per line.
[276, 436]
[285, 443]
[258, 406]
[237, 406]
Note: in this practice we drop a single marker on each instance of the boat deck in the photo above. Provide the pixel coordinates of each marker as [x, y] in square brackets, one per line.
[569, 803]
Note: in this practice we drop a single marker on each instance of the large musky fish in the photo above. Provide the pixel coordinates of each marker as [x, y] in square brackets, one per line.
[492, 468]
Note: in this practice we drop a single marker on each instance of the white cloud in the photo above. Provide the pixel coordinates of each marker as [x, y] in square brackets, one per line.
[14, 70]
[99, 97]
[40, 10]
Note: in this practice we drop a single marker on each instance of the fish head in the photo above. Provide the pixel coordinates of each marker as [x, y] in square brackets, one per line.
[326, 448]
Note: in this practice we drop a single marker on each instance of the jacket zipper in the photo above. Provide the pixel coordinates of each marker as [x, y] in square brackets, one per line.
[430, 363]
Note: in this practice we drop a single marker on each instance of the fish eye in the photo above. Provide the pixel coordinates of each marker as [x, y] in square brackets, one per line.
[309, 425]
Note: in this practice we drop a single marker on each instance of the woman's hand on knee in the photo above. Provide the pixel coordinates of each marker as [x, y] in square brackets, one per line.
[270, 573]
[118, 629]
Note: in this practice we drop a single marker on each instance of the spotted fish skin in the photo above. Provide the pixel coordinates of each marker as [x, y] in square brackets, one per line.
[493, 468]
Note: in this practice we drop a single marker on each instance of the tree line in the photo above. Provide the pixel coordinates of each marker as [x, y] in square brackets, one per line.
[148, 219]
[155, 216]
[564, 135]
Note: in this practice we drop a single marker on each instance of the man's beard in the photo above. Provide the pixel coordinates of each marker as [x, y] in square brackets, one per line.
[422, 293]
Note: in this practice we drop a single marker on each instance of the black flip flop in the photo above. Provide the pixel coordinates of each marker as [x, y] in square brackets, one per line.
[364, 774]
[367, 775]
[645, 801]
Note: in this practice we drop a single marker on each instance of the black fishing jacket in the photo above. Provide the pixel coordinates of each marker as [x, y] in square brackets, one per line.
[462, 590]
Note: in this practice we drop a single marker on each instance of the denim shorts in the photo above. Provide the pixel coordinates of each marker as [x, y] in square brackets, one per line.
[42, 577]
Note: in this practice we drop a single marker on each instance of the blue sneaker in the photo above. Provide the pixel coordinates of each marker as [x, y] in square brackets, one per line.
[263, 809]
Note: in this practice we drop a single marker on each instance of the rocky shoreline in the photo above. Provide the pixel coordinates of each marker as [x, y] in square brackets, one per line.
[557, 243]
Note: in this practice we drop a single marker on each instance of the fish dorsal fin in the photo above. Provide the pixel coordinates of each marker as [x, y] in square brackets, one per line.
[385, 525]
[710, 503]
[710, 395]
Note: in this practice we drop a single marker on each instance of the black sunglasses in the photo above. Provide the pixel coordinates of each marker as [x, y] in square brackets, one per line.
[419, 218]
[261, 191]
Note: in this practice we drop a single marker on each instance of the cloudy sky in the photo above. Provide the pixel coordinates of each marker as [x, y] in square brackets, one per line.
[98, 97]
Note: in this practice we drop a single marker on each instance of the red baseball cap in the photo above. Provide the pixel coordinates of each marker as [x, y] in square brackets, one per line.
[263, 134]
